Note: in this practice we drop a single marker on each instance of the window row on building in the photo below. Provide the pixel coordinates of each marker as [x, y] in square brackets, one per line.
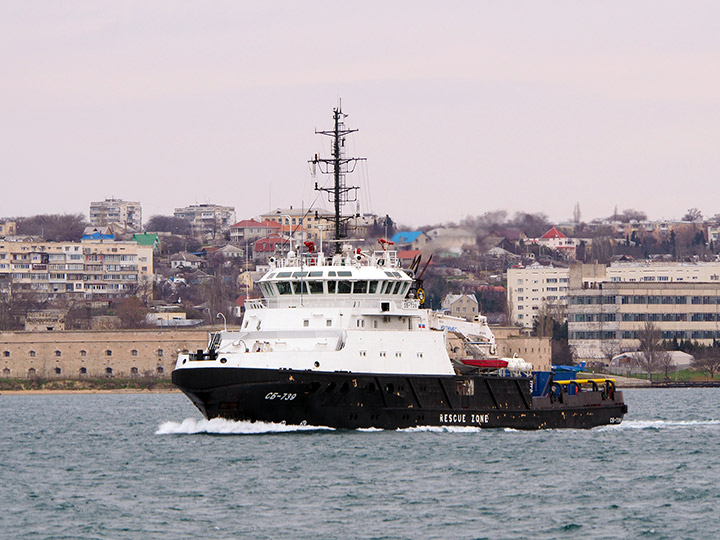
[83, 353]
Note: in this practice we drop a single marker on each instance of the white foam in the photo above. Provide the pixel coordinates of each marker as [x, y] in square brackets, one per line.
[442, 429]
[662, 424]
[221, 426]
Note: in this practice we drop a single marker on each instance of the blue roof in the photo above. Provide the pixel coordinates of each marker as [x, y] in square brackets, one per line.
[406, 237]
[98, 236]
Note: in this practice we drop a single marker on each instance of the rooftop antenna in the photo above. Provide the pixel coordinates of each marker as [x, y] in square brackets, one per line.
[338, 165]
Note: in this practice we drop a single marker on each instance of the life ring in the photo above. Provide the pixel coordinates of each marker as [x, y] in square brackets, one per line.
[420, 294]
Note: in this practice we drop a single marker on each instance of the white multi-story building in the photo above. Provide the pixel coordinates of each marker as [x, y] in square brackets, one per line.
[89, 269]
[209, 220]
[127, 214]
[532, 287]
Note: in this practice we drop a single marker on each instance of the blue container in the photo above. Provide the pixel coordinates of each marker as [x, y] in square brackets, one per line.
[541, 384]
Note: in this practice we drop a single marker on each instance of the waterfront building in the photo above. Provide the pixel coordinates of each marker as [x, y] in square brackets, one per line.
[608, 306]
[126, 214]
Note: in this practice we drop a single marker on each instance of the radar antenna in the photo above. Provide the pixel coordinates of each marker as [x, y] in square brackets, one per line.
[338, 165]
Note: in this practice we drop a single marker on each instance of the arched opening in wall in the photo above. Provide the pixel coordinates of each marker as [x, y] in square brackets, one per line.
[108, 371]
[6, 353]
[134, 352]
[6, 372]
[58, 371]
[160, 370]
[32, 372]
[83, 353]
[160, 352]
[108, 352]
[83, 371]
[58, 353]
[33, 354]
[134, 371]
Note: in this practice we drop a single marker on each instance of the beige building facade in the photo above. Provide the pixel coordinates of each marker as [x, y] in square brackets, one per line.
[78, 354]
[605, 316]
[535, 350]
[127, 214]
[85, 270]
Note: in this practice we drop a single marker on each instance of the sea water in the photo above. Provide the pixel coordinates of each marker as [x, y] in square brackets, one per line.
[148, 466]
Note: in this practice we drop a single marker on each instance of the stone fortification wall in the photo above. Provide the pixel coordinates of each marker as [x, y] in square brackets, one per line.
[78, 354]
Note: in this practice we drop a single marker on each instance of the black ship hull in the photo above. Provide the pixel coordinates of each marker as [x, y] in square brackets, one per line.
[354, 400]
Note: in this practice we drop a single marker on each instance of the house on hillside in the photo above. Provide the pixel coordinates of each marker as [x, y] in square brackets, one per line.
[452, 240]
[557, 241]
[187, 260]
[410, 240]
[249, 230]
[461, 305]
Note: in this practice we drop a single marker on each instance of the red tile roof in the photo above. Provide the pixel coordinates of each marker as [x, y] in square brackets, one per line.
[553, 233]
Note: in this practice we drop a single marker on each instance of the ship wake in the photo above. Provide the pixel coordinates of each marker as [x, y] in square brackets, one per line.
[662, 424]
[221, 426]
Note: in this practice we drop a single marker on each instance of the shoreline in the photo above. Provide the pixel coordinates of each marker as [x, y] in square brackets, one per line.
[43, 391]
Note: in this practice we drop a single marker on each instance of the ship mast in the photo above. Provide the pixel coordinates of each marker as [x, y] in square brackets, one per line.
[338, 165]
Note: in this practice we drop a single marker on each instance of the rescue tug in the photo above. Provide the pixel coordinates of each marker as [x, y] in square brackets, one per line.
[342, 340]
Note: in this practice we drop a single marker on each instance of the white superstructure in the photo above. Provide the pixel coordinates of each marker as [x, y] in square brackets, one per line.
[352, 312]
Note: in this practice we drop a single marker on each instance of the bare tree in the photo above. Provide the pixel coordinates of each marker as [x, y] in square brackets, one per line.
[610, 348]
[693, 214]
[652, 356]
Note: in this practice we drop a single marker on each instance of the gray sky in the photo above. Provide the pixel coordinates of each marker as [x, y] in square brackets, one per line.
[462, 107]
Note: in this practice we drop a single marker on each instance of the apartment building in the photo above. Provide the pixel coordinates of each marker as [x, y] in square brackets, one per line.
[312, 221]
[531, 287]
[89, 269]
[7, 228]
[127, 214]
[208, 220]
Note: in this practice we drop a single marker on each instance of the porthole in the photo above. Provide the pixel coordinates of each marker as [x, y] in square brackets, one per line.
[389, 388]
[316, 364]
[223, 360]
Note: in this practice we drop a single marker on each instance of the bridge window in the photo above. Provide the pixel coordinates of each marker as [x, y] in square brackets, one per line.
[360, 287]
[316, 287]
[372, 288]
[284, 287]
[344, 287]
[300, 287]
